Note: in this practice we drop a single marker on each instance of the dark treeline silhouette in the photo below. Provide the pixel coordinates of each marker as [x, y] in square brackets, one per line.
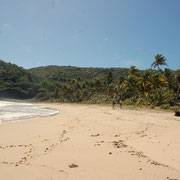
[149, 87]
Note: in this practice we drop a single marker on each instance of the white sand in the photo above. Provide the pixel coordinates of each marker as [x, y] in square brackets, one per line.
[105, 144]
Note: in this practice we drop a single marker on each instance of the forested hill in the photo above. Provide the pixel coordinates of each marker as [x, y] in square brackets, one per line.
[150, 87]
[16, 82]
[42, 82]
[63, 73]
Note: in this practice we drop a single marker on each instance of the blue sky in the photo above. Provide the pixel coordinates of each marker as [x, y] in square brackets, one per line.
[89, 33]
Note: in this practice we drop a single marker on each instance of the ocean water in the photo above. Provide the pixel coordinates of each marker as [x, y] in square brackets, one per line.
[12, 111]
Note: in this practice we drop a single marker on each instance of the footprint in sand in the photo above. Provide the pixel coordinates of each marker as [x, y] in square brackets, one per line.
[119, 144]
[97, 144]
[95, 135]
[116, 135]
[73, 166]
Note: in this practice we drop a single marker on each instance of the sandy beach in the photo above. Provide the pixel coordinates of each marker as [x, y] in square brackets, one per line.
[91, 142]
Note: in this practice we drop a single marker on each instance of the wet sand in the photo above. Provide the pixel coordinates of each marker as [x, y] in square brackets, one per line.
[90, 142]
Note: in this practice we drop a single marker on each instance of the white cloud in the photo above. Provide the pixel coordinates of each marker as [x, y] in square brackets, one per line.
[28, 50]
[75, 37]
[116, 56]
[131, 62]
[139, 49]
[5, 25]
[106, 39]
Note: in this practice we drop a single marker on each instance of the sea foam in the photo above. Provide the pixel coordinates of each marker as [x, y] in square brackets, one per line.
[12, 111]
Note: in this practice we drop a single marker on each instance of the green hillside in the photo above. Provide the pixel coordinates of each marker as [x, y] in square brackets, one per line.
[150, 87]
[16, 81]
[63, 73]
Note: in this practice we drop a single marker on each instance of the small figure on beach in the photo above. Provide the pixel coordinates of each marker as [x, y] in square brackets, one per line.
[113, 103]
[120, 103]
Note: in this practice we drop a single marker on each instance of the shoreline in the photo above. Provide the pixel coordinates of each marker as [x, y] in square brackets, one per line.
[29, 115]
[92, 142]
[131, 107]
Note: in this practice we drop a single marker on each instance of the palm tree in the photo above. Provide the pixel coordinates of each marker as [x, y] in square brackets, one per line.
[109, 77]
[134, 71]
[160, 60]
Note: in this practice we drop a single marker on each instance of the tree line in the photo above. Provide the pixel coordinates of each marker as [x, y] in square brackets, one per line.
[150, 87]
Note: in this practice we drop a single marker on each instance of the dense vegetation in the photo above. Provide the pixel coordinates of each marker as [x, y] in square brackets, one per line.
[65, 73]
[149, 87]
[16, 82]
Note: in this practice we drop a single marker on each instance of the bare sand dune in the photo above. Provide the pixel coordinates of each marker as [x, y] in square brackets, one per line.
[89, 142]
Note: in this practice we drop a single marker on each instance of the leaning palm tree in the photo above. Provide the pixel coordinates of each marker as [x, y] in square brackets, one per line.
[160, 60]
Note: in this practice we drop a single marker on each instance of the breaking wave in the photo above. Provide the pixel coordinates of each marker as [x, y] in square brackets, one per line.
[12, 111]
